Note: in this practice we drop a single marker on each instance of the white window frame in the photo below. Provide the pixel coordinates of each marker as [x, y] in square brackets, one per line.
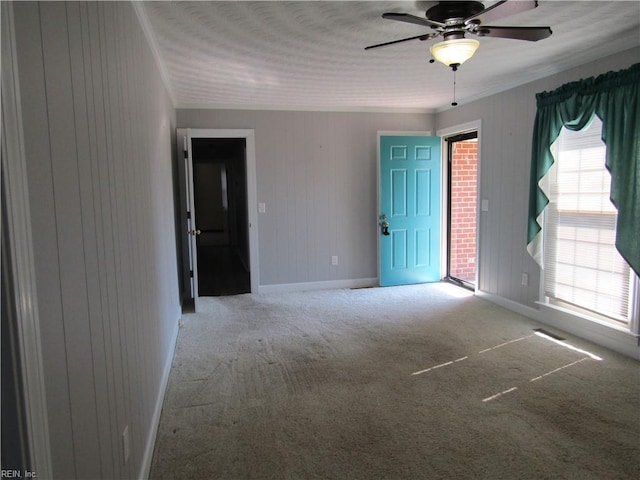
[633, 325]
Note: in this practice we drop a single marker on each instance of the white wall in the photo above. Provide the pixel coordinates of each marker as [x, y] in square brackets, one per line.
[507, 127]
[505, 154]
[98, 129]
[316, 173]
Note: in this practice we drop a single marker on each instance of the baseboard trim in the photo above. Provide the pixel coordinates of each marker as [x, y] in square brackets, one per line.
[326, 285]
[619, 341]
[145, 468]
[509, 304]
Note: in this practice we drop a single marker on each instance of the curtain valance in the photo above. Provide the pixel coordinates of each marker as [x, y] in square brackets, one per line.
[614, 97]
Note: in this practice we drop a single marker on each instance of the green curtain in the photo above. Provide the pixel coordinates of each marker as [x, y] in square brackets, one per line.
[614, 97]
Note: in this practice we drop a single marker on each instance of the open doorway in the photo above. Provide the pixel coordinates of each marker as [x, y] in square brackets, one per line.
[220, 195]
[463, 194]
[221, 165]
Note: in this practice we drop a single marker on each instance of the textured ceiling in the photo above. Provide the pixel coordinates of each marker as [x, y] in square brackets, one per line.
[309, 55]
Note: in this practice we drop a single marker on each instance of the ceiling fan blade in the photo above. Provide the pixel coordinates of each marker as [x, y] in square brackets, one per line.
[386, 44]
[532, 34]
[405, 17]
[502, 9]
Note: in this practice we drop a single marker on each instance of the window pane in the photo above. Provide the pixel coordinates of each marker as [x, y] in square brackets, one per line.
[582, 265]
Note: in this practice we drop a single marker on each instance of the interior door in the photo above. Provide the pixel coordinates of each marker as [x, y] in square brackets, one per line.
[192, 233]
[410, 205]
[248, 229]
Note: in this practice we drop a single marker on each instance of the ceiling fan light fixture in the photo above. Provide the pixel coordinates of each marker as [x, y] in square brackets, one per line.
[455, 51]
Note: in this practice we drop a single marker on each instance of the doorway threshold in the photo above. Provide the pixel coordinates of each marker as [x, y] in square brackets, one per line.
[461, 283]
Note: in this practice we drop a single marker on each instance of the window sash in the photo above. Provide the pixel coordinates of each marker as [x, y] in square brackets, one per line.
[582, 266]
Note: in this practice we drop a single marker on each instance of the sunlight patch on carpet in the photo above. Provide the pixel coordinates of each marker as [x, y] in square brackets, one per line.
[567, 345]
[558, 369]
[451, 290]
[497, 395]
[505, 343]
[538, 333]
[440, 365]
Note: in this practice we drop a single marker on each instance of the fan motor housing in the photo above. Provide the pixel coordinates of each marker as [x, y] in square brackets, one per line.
[449, 10]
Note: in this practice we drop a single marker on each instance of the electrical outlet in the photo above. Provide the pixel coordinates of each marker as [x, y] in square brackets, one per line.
[334, 260]
[525, 279]
[126, 444]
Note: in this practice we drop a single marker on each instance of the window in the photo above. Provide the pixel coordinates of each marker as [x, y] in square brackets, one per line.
[583, 270]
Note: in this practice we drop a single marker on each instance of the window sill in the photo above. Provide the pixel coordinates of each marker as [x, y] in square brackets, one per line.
[567, 311]
[600, 333]
[615, 337]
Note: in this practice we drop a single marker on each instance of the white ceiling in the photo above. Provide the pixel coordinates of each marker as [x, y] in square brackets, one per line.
[309, 55]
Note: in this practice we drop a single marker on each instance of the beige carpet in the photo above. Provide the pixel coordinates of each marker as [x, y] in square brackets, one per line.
[418, 382]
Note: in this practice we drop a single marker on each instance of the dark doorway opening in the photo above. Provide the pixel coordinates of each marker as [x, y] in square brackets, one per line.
[221, 216]
[463, 196]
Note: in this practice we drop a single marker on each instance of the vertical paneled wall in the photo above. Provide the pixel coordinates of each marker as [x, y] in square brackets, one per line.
[316, 173]
[98, 123]
[505, 159]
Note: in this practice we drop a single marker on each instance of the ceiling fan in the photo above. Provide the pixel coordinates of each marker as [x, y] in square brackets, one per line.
[453, 19]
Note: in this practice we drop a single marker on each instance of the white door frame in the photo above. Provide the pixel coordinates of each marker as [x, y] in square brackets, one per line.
[474, 126]
[252, 202]
[18, 234]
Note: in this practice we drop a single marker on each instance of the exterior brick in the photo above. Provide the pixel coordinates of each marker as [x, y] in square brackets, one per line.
[463, 193]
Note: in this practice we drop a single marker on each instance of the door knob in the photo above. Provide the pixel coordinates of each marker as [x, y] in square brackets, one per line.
[384, 225]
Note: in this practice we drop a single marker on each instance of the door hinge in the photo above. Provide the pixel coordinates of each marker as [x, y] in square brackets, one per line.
[188, 215]
[191, 273]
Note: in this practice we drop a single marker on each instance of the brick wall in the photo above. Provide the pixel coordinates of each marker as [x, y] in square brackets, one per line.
[464, 184]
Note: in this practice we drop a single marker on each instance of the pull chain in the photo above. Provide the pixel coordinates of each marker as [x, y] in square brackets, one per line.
[454, 103]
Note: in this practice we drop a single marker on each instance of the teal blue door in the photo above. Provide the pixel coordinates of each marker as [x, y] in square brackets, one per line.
[409, 210]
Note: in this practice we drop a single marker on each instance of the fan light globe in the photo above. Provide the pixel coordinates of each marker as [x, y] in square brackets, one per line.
[455, 51]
